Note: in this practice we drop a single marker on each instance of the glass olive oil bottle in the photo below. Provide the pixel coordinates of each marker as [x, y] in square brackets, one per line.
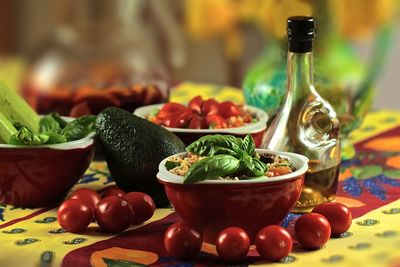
[307, 124]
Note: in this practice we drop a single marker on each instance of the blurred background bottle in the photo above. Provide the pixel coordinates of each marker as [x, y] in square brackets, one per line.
[307, 124]
[94, 58]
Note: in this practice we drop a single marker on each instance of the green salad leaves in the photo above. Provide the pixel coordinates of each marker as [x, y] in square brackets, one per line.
[54, 130]
[226, 155]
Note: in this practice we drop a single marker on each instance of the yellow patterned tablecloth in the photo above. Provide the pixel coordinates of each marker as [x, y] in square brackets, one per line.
[369, 184]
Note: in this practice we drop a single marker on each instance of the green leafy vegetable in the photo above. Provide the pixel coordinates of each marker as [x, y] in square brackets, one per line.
[210, 145]
[225, 155]
[49, 124]
[56, 138]
[24, 136]
[79, 128]
[171, 164]
[212, 167]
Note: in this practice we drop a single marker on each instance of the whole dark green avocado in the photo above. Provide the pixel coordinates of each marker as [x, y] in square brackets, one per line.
[133, 148]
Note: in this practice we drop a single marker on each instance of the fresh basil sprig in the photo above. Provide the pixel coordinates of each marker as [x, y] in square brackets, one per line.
[225, 155]
[212, 167]
[54, 130]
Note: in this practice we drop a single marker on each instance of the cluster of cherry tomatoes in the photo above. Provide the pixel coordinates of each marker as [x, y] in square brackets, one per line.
[202, 114]
[183, 240]
[114, 211]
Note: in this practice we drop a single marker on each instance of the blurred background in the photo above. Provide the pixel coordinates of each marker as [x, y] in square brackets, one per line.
[79, 56]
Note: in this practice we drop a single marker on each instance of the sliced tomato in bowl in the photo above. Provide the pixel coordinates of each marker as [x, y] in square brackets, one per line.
[196, 104]
[215, 121]
[228, 109]
[210, 107]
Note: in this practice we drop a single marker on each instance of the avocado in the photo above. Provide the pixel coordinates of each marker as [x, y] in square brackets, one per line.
[133, 148]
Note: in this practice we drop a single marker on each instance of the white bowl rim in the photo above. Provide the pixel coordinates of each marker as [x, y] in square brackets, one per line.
[296, 159]
[256, 127]
[80, 143]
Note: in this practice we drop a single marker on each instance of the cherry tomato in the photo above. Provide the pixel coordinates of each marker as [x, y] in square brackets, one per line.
[338, 216]
[215, 121]
[142, 204]
[113, 214]
[88, 197]
[312, 230]
[182, 240]
[195, 104]
[74, 216]
[209, 107]
[273, 243]
[182, 119]
[228, 109]
[169, 108]
[113, 191]
[196, 122]
[233, 244]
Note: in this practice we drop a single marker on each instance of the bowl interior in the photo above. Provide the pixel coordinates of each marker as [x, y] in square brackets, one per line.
[261, 124]
[300, 162]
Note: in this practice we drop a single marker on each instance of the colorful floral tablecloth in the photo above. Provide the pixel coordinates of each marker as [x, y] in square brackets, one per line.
[369, 184]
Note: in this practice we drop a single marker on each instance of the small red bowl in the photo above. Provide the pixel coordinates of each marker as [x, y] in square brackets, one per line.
[188, 136]
[213, 205]
[36, 176]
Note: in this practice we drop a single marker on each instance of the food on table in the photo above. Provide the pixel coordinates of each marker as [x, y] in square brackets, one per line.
[182, 240]
[113, 191]
[338, 215]
[133, 149]
[20, 125]
[226, 157]
[312, 231]
[13, 107]
[87, 97]
[233, 244]
[87, 196]
[74, 216]
[202, 114]
[142, 204]
[273, 243]
[113, 214]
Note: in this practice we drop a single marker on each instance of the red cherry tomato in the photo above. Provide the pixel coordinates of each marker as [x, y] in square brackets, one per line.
[195, 104]
[215, 121]
[196, 122]
[88, 197]
[233, 244]
[209, 107]
[74, 216]
[113, 191]
[142, 204]
[183, 118]
[182, 240]
[228, 109]
[169, 108]
[338, 216]
[113, 214]
[312, 230]
[273, 243]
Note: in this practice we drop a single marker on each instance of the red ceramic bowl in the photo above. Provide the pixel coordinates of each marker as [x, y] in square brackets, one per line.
[188, 136]
[42, 175]
[213, 205]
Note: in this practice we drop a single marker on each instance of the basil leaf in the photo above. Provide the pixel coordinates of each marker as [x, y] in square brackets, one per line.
[248, 145]
[24, 136]
[49, 124]
[252, 167]
[79, 128]
[60, 120]
[212, 167]
[218, 144]
[56, 138]
[171, 164]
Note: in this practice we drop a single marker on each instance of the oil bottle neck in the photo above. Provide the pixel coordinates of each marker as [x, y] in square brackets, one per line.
[300, 73]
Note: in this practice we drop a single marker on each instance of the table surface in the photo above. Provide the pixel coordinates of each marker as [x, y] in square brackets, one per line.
[369, 185]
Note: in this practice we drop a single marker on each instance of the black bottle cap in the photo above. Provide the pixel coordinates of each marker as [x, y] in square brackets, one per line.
[301, 32]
